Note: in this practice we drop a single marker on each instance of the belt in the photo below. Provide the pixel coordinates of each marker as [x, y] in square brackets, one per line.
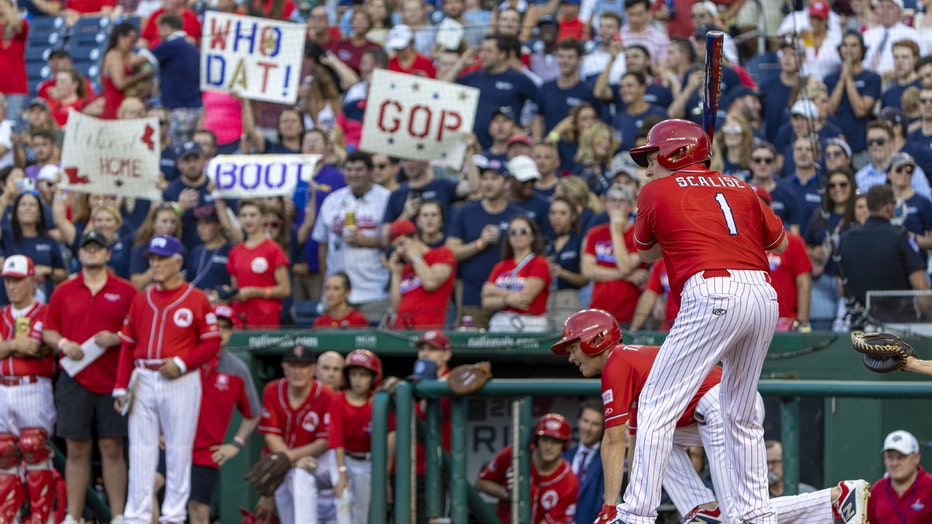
[151, 365]
[18, 381]
[715, 273]
[359, 456]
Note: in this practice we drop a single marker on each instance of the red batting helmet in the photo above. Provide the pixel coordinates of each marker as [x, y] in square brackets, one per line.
[554, 425]
[596, 331]
[363, 358]
[678, 143]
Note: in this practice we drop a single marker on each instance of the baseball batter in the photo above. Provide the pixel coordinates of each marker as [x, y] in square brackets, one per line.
[593, 341]
[554, 488]
[27, 410]
[713, 233]
[294, 422]
[169, 333]
[350, 433]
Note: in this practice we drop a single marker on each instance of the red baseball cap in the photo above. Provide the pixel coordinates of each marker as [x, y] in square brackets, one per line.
[819, 9]
[434, 339]
[401, 228]
[764, 195]
[225, 311]
[520, 139]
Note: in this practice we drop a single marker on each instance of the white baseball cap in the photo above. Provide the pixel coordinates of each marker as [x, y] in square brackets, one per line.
[805, 108]
[523, 168]
[902, 441]
[399, 37]
[19, 266]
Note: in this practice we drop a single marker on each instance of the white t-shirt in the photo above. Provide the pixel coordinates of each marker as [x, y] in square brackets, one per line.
[6, 135]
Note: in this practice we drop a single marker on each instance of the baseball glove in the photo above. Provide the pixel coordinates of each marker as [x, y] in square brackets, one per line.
[269, 473]
[882, 352]
[389, 384]
[469, 378]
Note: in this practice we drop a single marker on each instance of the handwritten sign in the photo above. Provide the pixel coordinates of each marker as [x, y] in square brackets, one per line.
[118, 157]
[258, 57]
[241, 176]
[413, 117]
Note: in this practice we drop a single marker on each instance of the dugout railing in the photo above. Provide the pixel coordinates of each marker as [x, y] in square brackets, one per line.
[463, 499]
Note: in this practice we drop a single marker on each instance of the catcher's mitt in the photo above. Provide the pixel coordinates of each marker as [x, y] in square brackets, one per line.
[883, 352]
[269, 473]
[469, 378]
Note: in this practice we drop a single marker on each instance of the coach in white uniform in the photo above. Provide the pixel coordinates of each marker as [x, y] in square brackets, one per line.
[356, 249]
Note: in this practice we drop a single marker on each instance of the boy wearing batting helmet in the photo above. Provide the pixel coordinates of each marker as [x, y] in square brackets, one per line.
[554, 487]
[593, 342]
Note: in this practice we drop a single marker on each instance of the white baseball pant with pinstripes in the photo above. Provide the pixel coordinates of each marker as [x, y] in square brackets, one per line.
[729, 319]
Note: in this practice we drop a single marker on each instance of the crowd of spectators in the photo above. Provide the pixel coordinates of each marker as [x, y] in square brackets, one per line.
[538, 222]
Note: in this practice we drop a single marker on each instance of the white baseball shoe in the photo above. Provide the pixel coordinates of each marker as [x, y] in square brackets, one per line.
[851, 505]
[701, 515]
[70, 520]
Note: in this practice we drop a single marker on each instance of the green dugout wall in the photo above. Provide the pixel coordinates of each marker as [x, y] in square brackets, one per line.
[839, 437]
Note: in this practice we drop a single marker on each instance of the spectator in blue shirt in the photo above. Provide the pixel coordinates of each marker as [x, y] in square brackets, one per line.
[919, 140]
[852, 93]
[804, 182]
[881, 148]
[190, 190]
[179, 76]
[558, 96]
[905, 54]
[27, 234]
[763, 166]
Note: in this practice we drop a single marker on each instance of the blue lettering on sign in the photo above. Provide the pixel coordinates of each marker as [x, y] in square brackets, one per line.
[256, 176]
[216, 70]
[226, 176]
[282, 175]
[249, 37]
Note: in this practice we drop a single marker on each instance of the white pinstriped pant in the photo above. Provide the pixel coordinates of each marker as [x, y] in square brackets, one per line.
[729, 319]
[307, 497]
[27, 406]
[162, 407]
[687, 491]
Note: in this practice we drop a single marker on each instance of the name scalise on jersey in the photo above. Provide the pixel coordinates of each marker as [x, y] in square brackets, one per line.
[709, 181]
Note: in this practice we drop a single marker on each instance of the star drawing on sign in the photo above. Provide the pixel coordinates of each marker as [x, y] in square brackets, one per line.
[443, 155]
[392, 85]
[415, 87]
[420, 147]
[118, 182]
[391, 140]
[436, 96]
[463, 95]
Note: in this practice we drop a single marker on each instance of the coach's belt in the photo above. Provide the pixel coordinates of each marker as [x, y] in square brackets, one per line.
[715, 273]
[152, 365]
[359, 456]
[18, 381]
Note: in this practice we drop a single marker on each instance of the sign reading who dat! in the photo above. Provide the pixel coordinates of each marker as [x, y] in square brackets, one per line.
[257, 57]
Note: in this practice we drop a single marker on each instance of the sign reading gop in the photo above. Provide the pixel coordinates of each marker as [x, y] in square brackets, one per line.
[414, 117]
[118, 157]
[241, 176]
[258, 58]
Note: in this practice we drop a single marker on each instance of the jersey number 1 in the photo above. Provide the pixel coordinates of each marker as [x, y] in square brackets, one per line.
[726, 212]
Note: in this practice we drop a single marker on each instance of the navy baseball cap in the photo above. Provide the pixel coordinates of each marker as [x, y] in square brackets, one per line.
[506, 112]
[490, 164]
[164, 246]
[94, 237]
[547, 20]
[190, 148]
[424, 369]
[299, 354]
[207, 213]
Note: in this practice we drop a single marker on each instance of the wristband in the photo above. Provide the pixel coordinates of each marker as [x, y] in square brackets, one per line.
[553, 136]
[480, 244]
[342, 469]
[61, 342]
[238, 443]
[268, 293]
[417, 259]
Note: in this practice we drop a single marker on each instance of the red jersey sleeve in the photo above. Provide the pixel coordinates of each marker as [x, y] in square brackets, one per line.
[643, 227]
[617, 389]
[271, 420]
[335, 437]
[497, 470]
[772, 227]
[653, 280]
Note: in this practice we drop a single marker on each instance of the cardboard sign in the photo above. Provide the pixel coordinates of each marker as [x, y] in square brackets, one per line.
[257, 57]
[114, 157]
[414, 117]
[242, 176]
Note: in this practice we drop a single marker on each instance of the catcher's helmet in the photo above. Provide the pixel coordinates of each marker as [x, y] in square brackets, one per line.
[596, 331]
[363, 358]
[678, 143]
[554, 425]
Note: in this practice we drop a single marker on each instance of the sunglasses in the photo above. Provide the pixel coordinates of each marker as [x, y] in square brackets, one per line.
[925, 100]
[732, 129]
[833, 185]
[834, 154]
[904, 169]
[522, 231]
[380, 166]
[876, 141]
[163, 122]
[762, 160]
[273, 224]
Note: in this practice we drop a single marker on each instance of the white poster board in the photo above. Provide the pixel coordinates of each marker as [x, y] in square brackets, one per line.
[114, 157]
[248, 176]
[259, 58]
[409, 116]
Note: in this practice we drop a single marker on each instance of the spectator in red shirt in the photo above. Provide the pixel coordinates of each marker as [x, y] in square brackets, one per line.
[319, 29]
[13, 33]
[519, 286]
[351, 49]
[60, 60]
[406, 59]
[191, 25]
[570, 24]
[339, 314]
[120, 69]
[71, 95]
[421, 279]
[898, 496]
[258, 271]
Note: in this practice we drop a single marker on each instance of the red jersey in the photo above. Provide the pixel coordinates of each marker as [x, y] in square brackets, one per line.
[350, 426]
[553, 497]
[297, 426]
[623, 378]
[256, 267]
[504, 277]
[13, 61]
[886, 507]
[784, 268]
[421, 309]
[352, 319]
[46, 86]
[618, 297]
[88, 6]
[78, 315]
[225, 382]
[421, 66]
[659, 282]
[266, 8]
[705, 220]
[575, 28]
[348, 53]
[164, 324]
[28, 324]
[189, 24]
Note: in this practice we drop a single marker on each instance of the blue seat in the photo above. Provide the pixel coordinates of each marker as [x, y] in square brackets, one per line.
[42, 25]
[304, 312]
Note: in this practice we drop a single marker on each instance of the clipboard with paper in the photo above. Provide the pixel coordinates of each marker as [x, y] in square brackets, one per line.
[92, 351]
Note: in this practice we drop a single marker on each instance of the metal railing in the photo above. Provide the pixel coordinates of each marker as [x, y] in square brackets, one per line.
[463, 497]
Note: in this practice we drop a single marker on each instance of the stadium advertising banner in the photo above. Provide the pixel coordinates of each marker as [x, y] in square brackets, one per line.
[258, 58]
[410, 116]
[118, 157]
[247, 176]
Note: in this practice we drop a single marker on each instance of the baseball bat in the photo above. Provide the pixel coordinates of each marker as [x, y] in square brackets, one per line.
[712, 89]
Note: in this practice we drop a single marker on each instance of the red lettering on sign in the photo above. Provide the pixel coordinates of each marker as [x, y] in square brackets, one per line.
[120, 167]
[395, 122]
[413, 117]
[449, 121]
[218, 35]
[265, 72]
